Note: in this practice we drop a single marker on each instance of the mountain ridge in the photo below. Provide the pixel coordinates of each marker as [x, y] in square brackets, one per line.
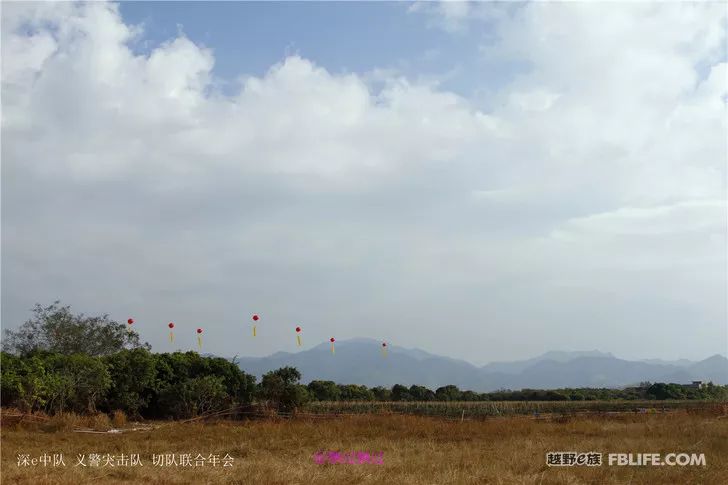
[360, 361]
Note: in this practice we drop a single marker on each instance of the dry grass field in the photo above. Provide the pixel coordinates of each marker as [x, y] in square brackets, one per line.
[416, 450]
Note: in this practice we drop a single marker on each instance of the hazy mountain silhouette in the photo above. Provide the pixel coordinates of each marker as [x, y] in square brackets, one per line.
[516, 367]
[360, 361]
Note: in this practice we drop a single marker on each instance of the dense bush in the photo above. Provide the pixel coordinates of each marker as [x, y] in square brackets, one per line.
[59, 361]
[353, 392]
[324, 390]
[137, 382]
[191, 397]
[133, 375]
[53, 382]
[281, 390]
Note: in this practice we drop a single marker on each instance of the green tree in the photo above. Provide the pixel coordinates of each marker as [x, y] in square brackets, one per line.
[55, 329]
[661, 390]
[77, 382]
[382, 393]
[173, 370]
[353, 392]
[421, 393]
[281, 389]
[238, 384]
[196, 396]
[448, 393]
[132, 375]
[11, 383]
[400, 393]
[324, 390]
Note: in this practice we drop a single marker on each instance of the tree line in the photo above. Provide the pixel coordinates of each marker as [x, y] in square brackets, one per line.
[185, 384]
[61, 362]
[330, 391]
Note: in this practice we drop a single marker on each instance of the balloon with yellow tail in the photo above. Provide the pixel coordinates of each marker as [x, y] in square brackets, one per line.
[199, 338]
[255, 320]
[129, 323]
[171, 332]
[332, 340]
[384, 349]
[298, 336]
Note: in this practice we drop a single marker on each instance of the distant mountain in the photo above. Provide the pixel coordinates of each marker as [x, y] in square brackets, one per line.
[713, 368]
[588, 372]
[679, 362]
[359, 361]
[516, 367]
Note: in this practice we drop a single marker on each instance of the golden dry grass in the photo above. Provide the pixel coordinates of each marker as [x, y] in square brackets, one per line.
[417, 450]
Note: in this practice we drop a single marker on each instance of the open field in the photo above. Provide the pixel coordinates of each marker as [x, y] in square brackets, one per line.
[484, 409]
[416, 450]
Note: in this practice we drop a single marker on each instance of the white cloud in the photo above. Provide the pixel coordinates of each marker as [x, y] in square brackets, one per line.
[451, 15]
[129, 181]
[685, 217]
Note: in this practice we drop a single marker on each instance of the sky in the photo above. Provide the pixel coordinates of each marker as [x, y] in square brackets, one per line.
[486, 181]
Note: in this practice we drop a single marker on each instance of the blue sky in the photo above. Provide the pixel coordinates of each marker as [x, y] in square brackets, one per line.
[248, 37]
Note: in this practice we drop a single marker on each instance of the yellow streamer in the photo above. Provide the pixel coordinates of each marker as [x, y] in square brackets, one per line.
[199, 342]
[253, 330]
[298, 340]
[332, 348]
[171, 337]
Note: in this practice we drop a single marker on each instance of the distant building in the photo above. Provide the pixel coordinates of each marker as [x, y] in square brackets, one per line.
[697, 384]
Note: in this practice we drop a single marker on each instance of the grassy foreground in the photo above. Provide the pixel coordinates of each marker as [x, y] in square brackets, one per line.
[416, 450]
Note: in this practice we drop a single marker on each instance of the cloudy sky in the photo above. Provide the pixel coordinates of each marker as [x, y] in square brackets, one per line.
[484, 181]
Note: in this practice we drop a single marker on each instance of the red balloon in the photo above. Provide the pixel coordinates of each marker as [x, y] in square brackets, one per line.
[384, 344]
[332, 339]
[170, 325]
[130, 321]
[199, 330]
[298, 329]
[255, 318]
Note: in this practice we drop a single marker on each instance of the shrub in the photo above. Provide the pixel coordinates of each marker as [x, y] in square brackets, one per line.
[118, 418]
[193, 397]
[281, 390]
[99, 422]
[63, 422]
